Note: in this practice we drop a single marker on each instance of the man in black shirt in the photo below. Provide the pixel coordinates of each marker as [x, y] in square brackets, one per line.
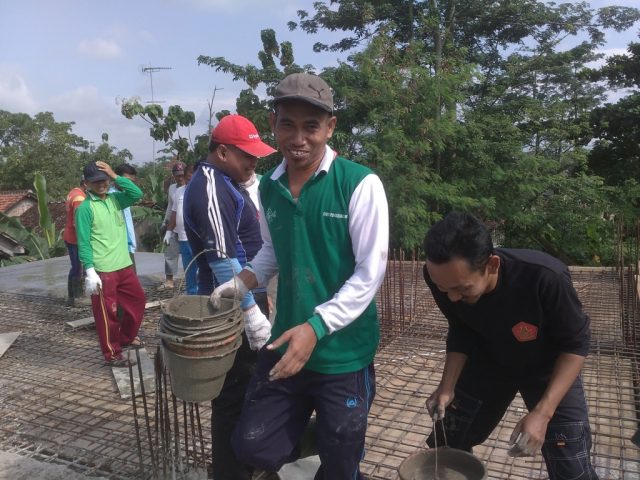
[515, 325]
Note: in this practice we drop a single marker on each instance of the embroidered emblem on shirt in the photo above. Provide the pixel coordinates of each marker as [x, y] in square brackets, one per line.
[525, 332]
[270, 215]
[335, 215]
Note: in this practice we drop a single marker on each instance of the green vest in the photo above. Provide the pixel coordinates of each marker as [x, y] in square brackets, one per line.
[313, 248]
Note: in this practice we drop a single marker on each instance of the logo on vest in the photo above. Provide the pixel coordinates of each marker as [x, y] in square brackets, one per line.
[525, 332]
[335, 215]
[270, 215]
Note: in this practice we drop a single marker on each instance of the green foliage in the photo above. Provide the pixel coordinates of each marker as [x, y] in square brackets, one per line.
[165, 127]
[152, 218]
[40, 145]
[466, 105]
[35, 246]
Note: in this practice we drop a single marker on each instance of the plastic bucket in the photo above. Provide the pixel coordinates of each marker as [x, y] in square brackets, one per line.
[199, 379]
[199, 344]
[453, 464]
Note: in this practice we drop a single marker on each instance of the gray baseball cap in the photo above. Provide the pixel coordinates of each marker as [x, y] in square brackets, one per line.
[307, 88]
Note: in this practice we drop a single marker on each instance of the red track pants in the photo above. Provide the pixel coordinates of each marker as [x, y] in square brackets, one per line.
[120, 288]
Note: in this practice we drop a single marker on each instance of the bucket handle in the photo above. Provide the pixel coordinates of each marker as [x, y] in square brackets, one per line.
[221, 253]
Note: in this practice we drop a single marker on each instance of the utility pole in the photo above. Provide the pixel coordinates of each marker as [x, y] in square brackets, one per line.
[213, 97]
[151, 70]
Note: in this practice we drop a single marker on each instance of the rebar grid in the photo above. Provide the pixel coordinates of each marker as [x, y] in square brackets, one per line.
[58, 402]
[409, 367]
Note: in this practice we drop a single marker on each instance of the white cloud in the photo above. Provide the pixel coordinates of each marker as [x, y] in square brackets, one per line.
[100, 48]
[15, 95]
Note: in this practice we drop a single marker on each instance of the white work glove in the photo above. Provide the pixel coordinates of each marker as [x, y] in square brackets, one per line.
[234, 288]
[92, 283]
[167, 236]
[257, 327]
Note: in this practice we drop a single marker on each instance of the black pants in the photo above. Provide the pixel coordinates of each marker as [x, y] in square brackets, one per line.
[276, 414]
[482, 396]
[227, 406]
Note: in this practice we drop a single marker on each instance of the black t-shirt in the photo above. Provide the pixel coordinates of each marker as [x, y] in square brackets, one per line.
[531, 316]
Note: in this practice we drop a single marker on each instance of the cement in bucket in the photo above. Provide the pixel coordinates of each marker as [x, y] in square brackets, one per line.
[198, 369]
[453, 464]
[194, 311]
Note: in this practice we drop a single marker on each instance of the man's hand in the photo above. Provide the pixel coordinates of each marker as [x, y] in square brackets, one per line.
[234, 289]
[92, 283]
[257, 327]
[302, 340]
[106, 169]
[437, 402]
[168, 235]
[528, 436]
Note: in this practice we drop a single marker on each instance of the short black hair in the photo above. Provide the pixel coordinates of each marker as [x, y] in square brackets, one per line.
[125, 168]
[459, 235]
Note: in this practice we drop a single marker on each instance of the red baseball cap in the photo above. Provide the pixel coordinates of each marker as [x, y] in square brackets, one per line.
[238, 131]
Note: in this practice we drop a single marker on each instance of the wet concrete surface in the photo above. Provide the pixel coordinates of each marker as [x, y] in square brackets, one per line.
[49, 277]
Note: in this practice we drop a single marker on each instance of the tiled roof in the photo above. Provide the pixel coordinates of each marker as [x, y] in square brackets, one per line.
[31, 218]
[9, 198]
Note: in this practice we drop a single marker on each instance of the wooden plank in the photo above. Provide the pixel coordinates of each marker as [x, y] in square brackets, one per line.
[88, 321]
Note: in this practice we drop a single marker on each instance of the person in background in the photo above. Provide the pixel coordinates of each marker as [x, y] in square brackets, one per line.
[172, 245]
[176, 225]
[515, 325]
[325, 229]
[103, 248]
[130, 172]
[221, 220]
[74, 280]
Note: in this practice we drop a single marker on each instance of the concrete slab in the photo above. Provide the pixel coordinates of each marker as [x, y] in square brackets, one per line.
[123, 381]
[6, 339]
[16, 467]
[49, 277]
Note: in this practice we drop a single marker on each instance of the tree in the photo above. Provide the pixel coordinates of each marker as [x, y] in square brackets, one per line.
[39, 145]
[165, 127]
[616, 126]
[469, 105]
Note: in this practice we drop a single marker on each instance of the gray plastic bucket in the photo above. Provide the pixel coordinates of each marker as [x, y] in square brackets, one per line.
[453, 464]
[199, 344]
[199, 379]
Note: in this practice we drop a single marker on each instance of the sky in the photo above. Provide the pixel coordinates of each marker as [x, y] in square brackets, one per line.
[79, 59]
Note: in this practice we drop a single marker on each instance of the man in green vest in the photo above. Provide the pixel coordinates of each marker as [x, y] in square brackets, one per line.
[325, 231]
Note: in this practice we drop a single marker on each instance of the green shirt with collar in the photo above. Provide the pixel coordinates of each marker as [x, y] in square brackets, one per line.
[101, 228]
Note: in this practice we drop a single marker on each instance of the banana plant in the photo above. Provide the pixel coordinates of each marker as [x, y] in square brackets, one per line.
[46, 224]
[36, 246]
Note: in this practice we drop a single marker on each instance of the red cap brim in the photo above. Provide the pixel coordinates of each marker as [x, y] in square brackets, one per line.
[257, 149]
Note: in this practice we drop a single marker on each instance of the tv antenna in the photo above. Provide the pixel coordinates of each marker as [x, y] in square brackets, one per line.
[151, 70]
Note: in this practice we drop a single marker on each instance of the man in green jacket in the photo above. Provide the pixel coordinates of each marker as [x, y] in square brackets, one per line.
[103, 249]
[325, 229]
